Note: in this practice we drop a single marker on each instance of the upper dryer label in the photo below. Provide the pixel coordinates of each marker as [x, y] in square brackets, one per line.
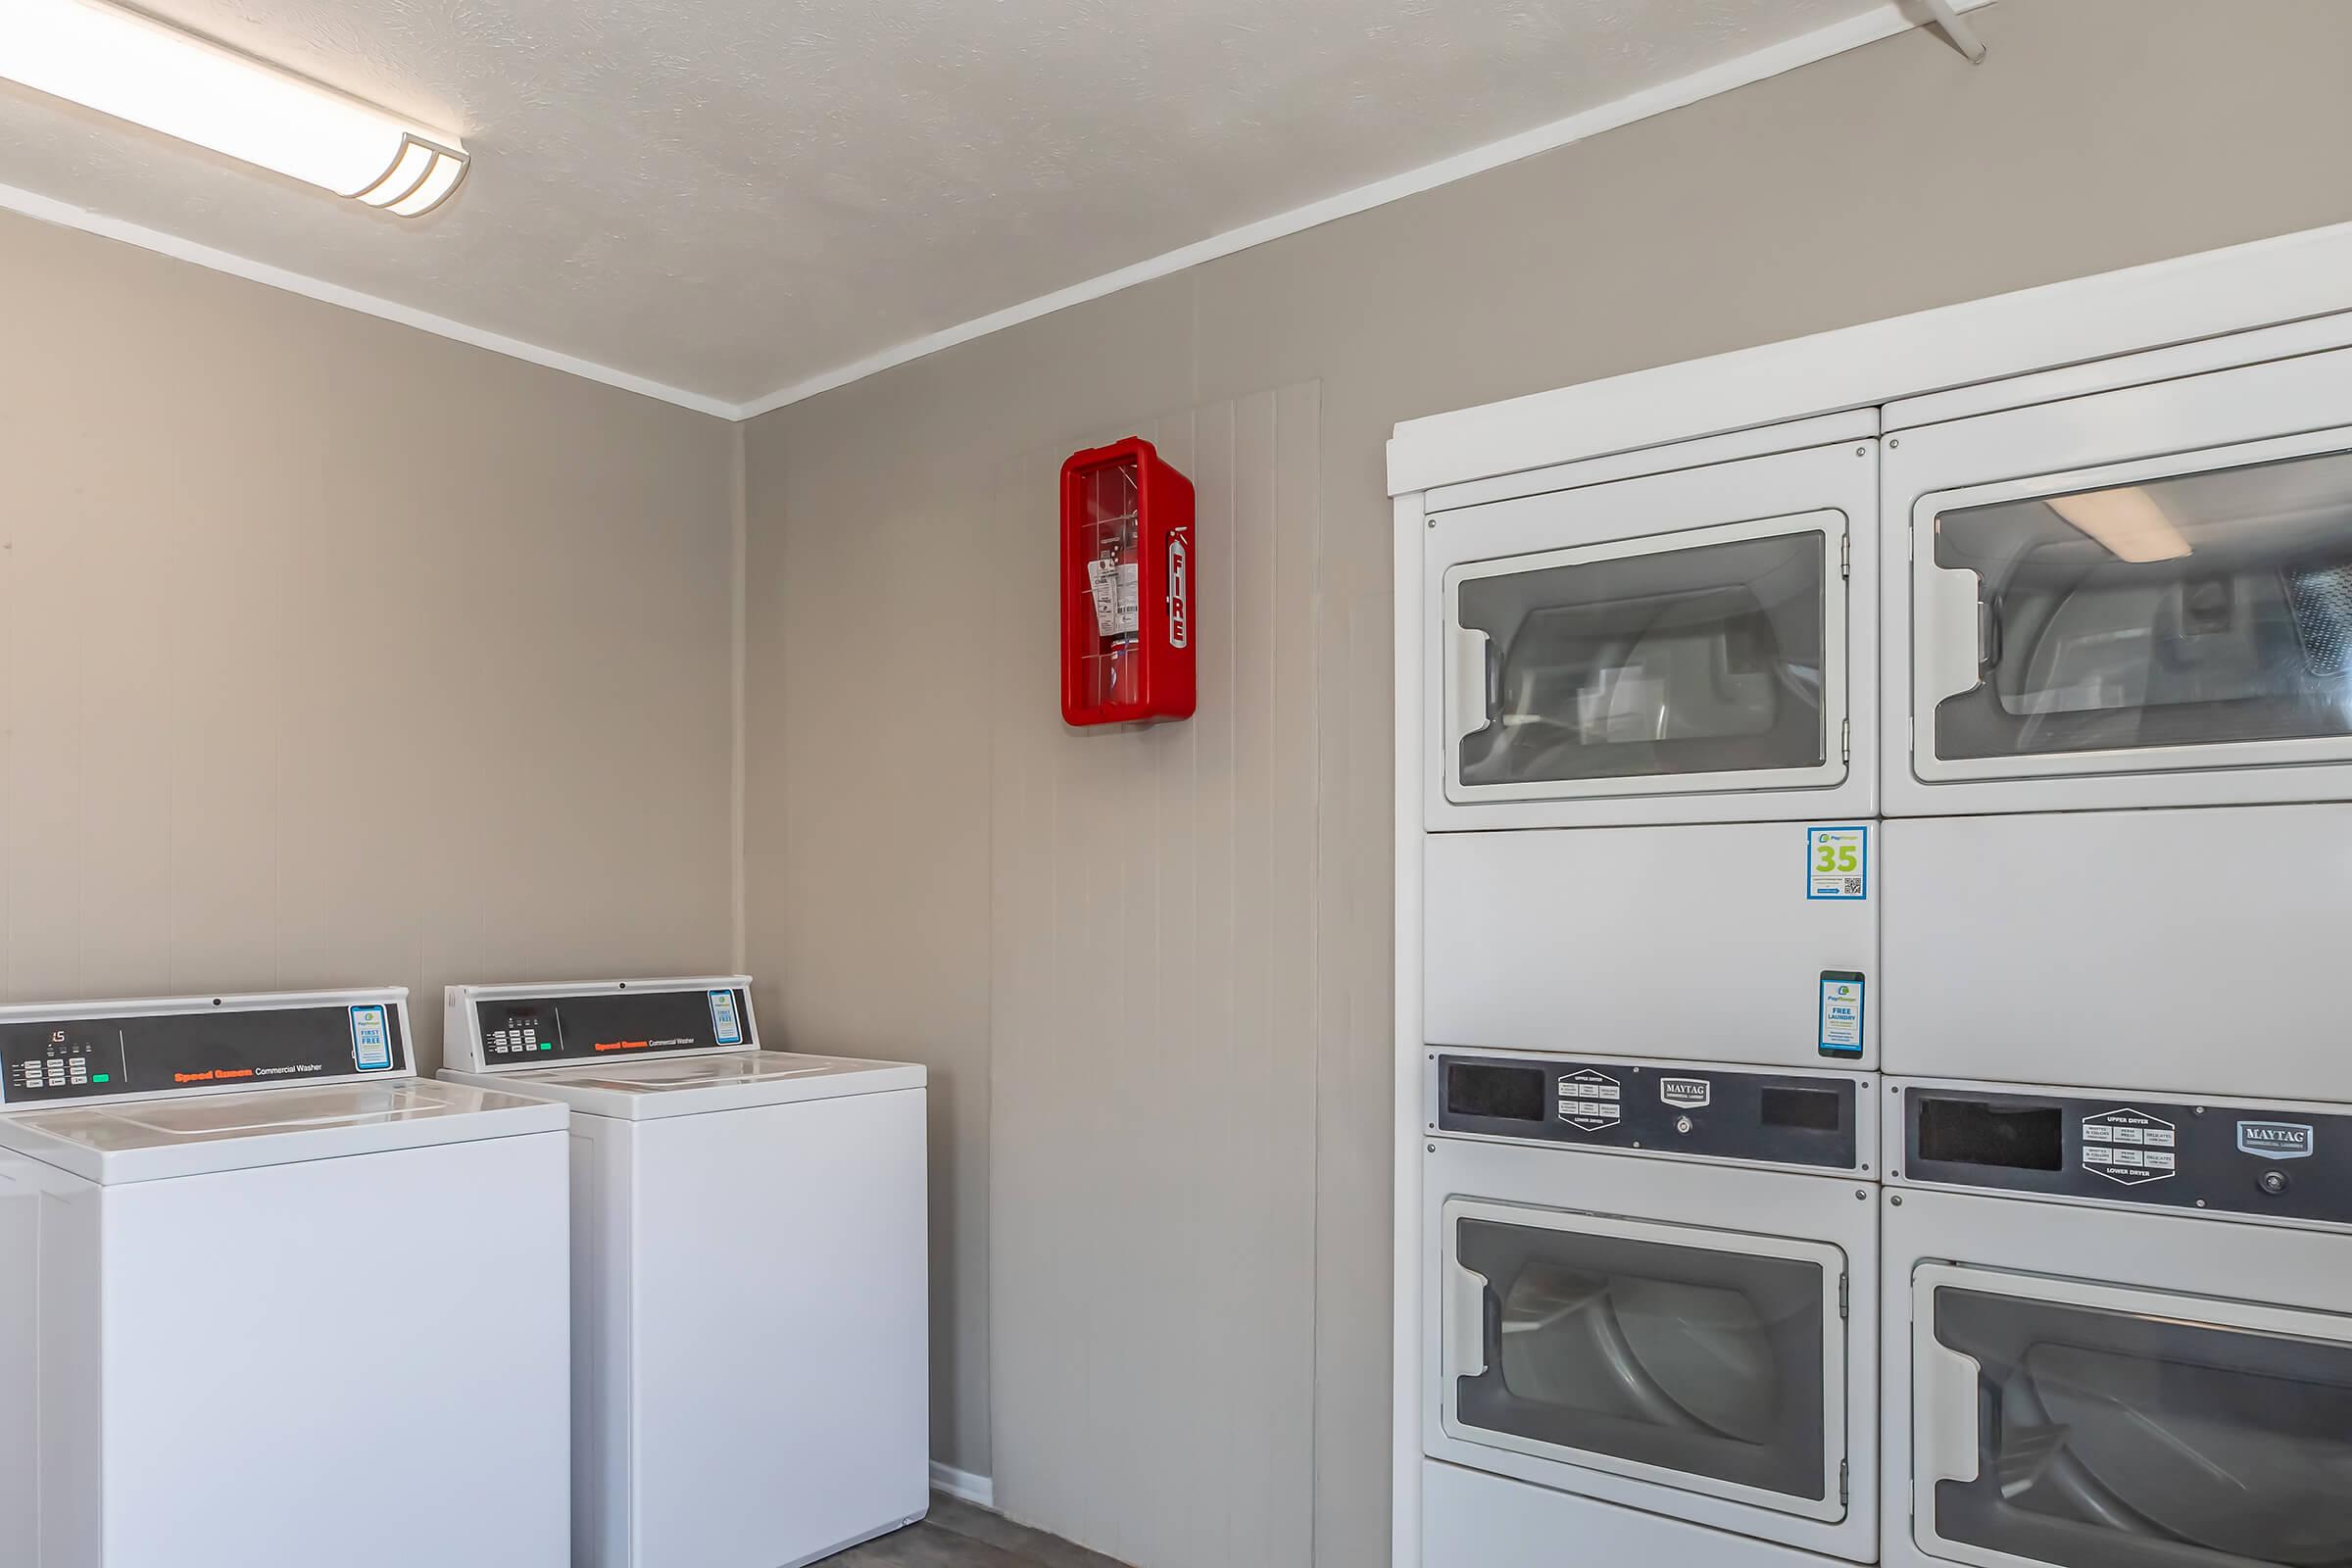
[609, 1025]
[92, 1058]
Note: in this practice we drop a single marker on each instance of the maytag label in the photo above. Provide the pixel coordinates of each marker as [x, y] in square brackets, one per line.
[2274, 1140]
[1689, 1094]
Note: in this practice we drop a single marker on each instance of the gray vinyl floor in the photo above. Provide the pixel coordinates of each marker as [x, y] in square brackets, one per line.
[958, 1535]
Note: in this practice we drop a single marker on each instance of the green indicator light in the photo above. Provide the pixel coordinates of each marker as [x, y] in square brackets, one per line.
[102, 1077]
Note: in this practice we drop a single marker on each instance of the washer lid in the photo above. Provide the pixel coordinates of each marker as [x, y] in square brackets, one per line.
[149, 1140]
[689, 1086]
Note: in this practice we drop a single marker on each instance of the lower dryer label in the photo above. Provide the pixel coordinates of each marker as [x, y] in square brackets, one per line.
[2284, 1161]
[1813, 1120]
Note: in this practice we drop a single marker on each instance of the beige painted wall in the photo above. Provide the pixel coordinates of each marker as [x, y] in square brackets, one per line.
[899, 686]
[335, 654]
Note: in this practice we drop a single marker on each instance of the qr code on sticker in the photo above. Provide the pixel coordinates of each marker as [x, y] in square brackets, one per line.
[1853, 887]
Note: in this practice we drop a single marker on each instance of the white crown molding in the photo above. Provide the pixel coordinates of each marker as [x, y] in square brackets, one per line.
[49, 210]
[1883, 21]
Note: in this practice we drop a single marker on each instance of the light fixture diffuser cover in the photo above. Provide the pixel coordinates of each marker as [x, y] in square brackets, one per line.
[128, 66]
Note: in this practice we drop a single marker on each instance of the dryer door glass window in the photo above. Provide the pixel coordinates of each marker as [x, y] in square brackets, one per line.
[1680, 1362]
[2114, 1438]
[1703, 655]
[2195, 610]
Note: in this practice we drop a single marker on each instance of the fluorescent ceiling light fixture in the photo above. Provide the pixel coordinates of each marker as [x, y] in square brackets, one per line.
[2127, 521]
[126, 65]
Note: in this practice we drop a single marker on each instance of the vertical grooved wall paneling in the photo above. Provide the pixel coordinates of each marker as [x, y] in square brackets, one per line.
[1155, 1025]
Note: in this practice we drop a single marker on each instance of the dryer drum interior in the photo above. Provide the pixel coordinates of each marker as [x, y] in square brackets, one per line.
[1690, 660]
[2110, 1438]
[2197, 609]
[1708, 1363]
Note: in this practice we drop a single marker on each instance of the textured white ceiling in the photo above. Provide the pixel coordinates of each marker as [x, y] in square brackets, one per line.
[734, 196]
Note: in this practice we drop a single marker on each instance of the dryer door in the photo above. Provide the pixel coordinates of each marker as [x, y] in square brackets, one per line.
[2132, 599]
[2140, 619]
[1709, 1361]
[1679, 646]
[2089, 1426]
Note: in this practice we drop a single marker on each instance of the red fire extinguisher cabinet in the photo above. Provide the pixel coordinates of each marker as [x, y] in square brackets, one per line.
[1127, 587]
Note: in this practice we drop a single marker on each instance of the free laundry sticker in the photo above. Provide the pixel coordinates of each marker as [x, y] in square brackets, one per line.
[1840, 1014]
[1838, 862]
[725, 1027]
[370, 1040]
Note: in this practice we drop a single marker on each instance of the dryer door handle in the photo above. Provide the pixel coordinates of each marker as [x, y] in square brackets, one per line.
[1955, 635]
[1945, 1419]
[1464, 1353]
[1469, 688]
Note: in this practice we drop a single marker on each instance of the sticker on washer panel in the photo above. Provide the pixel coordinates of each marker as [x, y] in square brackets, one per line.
[2130, 1146]
[725, 1028]
[1592, 1101]
[1838, 862]
[1841, 997]
[2274, 1140]
[371, 1040]
[1687, 1094]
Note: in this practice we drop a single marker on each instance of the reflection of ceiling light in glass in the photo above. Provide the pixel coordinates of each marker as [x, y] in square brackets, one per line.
[2127, 521]
[168, 80]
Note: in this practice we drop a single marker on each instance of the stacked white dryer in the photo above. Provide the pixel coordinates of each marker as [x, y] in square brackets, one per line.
[1648, 935]
[2119, 1241]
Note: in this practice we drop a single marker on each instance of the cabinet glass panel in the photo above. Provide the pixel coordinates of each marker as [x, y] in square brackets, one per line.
[1705, 659]
[2197, 609]
[1703, 1362]
[2120, 1440]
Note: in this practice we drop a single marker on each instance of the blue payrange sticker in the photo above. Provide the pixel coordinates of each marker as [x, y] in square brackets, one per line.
[1842, 1014]
[370, 1040]
[1838, 861]
[725, 1027]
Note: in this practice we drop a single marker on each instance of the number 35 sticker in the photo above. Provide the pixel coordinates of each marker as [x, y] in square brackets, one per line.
[1838, 862]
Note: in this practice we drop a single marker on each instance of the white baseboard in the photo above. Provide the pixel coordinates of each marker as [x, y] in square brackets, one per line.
[978, 1491]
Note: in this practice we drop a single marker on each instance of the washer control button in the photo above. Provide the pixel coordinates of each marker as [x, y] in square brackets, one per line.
[2274, 1182]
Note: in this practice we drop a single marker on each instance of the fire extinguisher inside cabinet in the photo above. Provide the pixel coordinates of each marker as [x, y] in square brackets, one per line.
[1127, 585]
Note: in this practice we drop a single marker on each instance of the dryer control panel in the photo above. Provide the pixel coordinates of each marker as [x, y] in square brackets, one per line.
[1812, 1120]
[197, 1046]
[521, 1027]
[2238, 1158]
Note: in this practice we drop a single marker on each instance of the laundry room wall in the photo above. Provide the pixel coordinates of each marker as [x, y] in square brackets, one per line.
[936, 868]
[336, 653]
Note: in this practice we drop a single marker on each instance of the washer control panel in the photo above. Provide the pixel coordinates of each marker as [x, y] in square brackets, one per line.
[223, 1045]
[608, 1025]
[1650, 1108]
[2285, 1162]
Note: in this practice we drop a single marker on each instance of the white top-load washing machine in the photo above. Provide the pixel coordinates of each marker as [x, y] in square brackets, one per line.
[750, 1310]
[240, 1243]
[2119, 698]
[1671, 655]
[2117, 1330]
[1650, 1333]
